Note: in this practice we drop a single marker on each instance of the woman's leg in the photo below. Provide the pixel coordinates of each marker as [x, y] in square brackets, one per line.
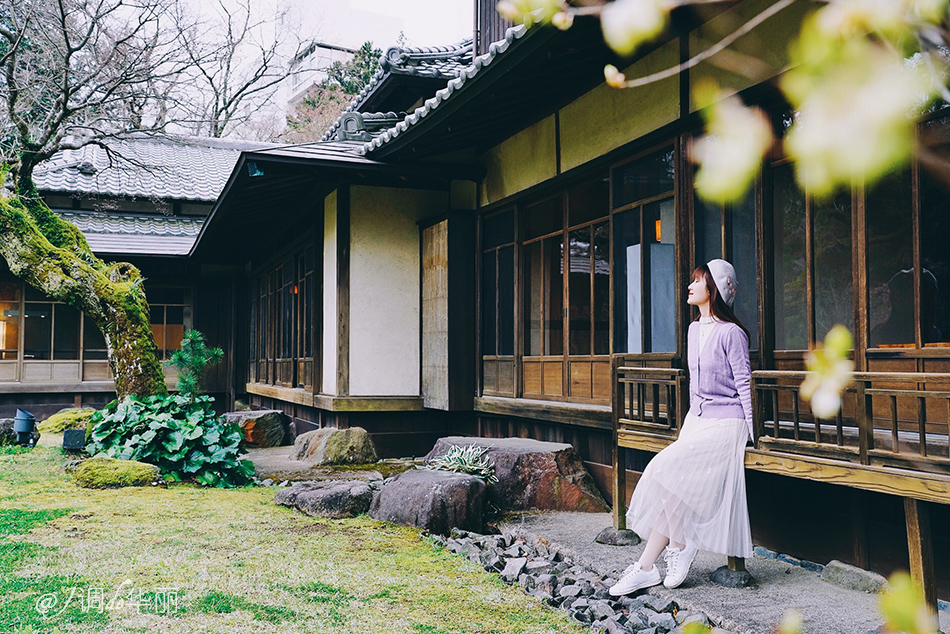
[656, 542]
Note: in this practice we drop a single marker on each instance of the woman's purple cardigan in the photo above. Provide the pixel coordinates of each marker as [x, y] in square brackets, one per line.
[719, 376]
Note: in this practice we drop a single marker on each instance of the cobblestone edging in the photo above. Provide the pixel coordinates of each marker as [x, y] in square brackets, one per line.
[544, 572]
[788, 559]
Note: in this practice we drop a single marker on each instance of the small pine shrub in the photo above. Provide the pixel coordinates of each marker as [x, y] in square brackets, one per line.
[470, 460]
[191, 361]
[180, 435]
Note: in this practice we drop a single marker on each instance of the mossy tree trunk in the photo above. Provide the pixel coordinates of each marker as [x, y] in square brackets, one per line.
[52, 256]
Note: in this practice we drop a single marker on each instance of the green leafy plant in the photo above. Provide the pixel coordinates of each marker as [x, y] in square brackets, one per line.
[180, 435]
[191, 361]
[471, 460]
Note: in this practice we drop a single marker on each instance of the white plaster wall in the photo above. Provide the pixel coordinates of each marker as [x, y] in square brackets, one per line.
[385, 287]
[329, 296]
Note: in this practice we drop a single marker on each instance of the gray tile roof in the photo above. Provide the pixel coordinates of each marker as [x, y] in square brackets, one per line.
[454, 85]
[139, 166]
[438, 62]
[116, 233]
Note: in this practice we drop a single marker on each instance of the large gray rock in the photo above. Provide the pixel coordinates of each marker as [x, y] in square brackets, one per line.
[437, 501]
[852, 577]
[533, 474]
[262, 428]
[331, 498]
[335, 446]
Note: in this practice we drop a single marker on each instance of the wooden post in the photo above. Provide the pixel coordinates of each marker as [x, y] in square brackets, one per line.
[920, 548]
[736, 564]
[620, 454]
[620, 487]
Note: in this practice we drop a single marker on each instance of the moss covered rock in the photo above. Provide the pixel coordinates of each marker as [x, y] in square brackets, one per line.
[66, 419]
[109, 473]
[335, 446]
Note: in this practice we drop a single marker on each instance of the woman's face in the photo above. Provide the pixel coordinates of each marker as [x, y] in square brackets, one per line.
[698, 293]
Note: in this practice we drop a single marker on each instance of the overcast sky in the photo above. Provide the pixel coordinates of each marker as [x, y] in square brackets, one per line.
[352, 22]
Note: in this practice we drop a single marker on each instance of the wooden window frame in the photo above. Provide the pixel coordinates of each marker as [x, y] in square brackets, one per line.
[917, 349]
[272, 368]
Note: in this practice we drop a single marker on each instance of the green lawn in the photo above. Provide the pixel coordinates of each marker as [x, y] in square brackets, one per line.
[187, 559]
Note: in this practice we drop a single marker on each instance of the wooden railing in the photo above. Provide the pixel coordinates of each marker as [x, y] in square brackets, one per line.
[649, 405]
[650, 399]
[890, 436]
[899, 420]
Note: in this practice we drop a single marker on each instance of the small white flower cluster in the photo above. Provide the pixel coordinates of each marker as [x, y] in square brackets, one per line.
[829, 372]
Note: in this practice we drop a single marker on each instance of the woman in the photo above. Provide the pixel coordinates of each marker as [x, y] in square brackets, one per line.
[692, 494]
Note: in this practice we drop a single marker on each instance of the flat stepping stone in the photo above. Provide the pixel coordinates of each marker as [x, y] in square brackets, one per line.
[331, 498]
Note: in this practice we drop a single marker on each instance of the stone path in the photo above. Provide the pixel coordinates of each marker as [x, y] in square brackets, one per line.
[826, 608]
[544, 572]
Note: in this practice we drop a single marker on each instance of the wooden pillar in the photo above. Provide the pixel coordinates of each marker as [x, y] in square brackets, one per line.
[620, 486]
[920, 548]
[620, 453]
[736, 564]
[859, 529]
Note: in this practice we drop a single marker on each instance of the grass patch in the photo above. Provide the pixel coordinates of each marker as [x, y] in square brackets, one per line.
[37, 602]
[238, 564]
[21, 521]
[427, 629]
[13, 450]
[221, 603]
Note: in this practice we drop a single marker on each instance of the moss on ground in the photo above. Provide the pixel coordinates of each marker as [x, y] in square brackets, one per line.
[237, 563]
[107, 473]
[70, 419]
[386, 468]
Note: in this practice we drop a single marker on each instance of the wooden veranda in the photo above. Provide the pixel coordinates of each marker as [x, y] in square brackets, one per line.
[890, 437]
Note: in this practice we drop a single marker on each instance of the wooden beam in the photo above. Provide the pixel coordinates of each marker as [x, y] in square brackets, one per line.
[368, 403]
[643, 442]
[920, 548]
[929, 487]
[295, 395]
[582, 415]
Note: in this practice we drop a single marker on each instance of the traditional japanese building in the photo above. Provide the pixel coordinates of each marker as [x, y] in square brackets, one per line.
[141, 199]
[492, 241]
[508, 257]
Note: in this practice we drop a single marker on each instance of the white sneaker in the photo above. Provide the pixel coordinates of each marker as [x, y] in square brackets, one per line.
[634, 579]
[677, 565]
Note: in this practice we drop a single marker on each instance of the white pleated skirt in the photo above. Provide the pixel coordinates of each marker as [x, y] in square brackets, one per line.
[694, 490]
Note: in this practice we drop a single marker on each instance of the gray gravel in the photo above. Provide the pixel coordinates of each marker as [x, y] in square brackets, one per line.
[826, 608]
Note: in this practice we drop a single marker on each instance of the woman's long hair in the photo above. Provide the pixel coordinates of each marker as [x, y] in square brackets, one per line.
[718, 307]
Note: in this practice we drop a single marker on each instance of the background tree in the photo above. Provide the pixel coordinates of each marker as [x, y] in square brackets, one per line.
[353, 74]
[237, 64]
[316, 111]
[77, 72]
[322, 103]
[80, 72]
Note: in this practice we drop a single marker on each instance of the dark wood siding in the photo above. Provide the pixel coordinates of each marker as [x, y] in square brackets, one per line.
[490, 25]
